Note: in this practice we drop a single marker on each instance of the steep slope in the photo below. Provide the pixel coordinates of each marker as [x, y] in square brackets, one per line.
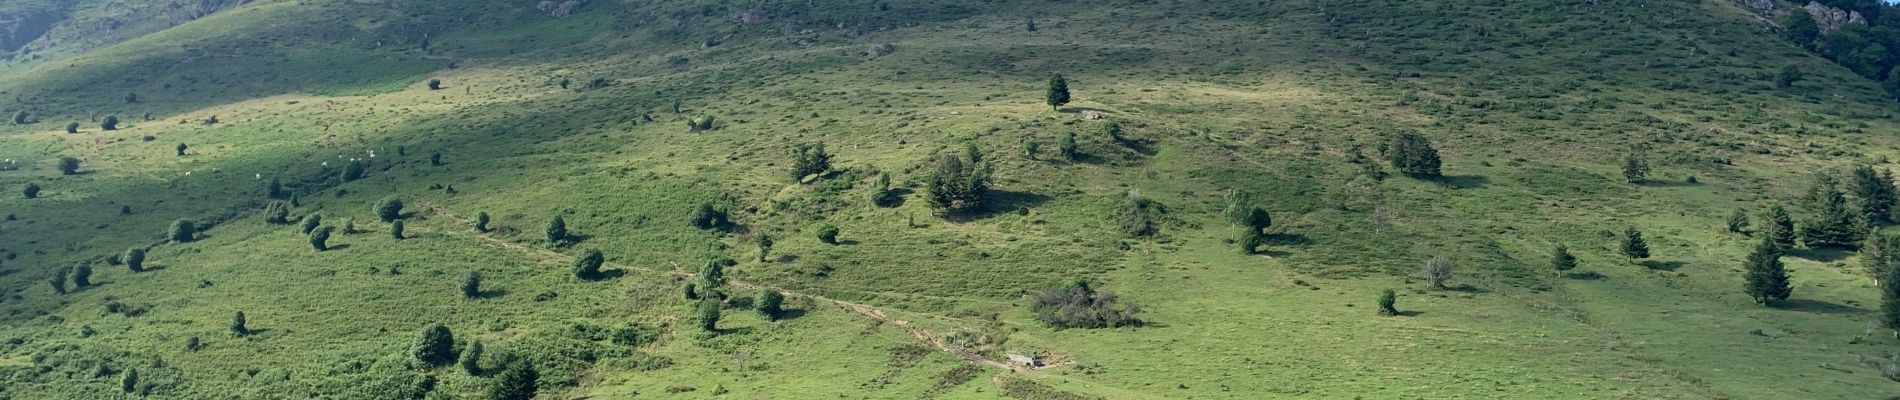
[1531, 104]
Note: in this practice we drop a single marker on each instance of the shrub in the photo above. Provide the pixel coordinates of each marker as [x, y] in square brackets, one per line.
[707, 217]
[278, 213]
[274, 189]
[587, 266]
[310, 222]
[1138, 216]
[68, 166]
[435, 158]
[1068, 147]
[353, 171]
[129, 381]
[111, 123]
[706, 315]
[72, 127]
[434, 346]
[435, 84]
[389, 208]
[1387, 302]
[481, 222]
[1437, 271]
[690, 291]
[1738, 221]
[181, 149]
[879, 191]
[470, 284]
[58, 280]
[82, 275]
[471, 360]
[237, 325]
[770, 304]
[395, 229]
[349, 226]
[557, 231]
[134, 259]
[31, 191]
[765, 246]
[320, 238]
[1078, 305]
[828, 234]
[1414, 155]
[181, 231]
[711, 278]
[20, 118]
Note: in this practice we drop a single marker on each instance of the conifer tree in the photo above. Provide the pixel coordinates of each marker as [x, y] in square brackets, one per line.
[1388, 301]
[519, 382]
[1832, 225]
[481, 222]
[1414, 155]
[1058, 92]
[1636, 165]
[434, 346]
[587, 266]
[238, 324]
[1562, 261]
[1780, 228]
[1767, 278]
[557, 231]
[1633, 244]
[1874, 194]
[1738, 221]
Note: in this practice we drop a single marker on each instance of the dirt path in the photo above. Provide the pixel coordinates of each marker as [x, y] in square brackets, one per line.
[936, 341]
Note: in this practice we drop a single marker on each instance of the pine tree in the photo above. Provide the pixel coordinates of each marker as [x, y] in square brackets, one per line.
[82, 275]
[1832, 225]
[958, 186]
[587, 266]
[765, 246]
[1253, 230]
[1414, 155]
[1767, 278]
[809, 159]
[1058, 92]
[274, 189]
[1780, 227]
[518, 382]
[1633, 244]
[1636, 165]
[129, 382]
[1738, 221]
[1562, 261]
[1874, 194]
[1890, 294]
[1879, 255]
[434, 346]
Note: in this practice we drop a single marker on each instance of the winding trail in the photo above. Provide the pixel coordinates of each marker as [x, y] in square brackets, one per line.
[920, 333]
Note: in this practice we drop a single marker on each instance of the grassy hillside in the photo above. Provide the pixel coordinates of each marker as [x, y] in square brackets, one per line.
[1532, 106]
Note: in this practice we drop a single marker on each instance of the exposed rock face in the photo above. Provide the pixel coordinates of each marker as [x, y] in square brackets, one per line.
[558, 9]
[1764, 7]
[1830, 18]
[879, 50]
[749, 17]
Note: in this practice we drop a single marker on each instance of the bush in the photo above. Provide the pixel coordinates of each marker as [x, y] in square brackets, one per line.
[134, 259]
[1077, 305]
[435, 158]
[1068, 147]
[1387, 301]
[181, 149]
[434, 346]
[706, 315]
[353, 171]
[1138, 216]
[68, 166]
[72, 127]
[238, 324]
[31, 191]
[828, 234]
[557, 231]
[879, 191]
[82, 275]
[770, 304]
[58, 280]
[20, 118]
[435, 84]
[389, 208]
[587, 266]
[274, 189]
[310, 222]
[111, 123]
[129, 381]
[471, 360]
[181, 231]
[481, 222]
[470, 284]
[1437, 271]
[707, 217]
[278, 213]
[349, 226]
[320, 238]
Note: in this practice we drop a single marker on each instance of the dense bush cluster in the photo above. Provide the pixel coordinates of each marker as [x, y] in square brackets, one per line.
[959, 184]
[1078, 305]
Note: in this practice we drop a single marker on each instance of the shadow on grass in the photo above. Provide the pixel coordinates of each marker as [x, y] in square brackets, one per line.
[1464, 181]
[1467, 288]
[1825, 254]
[491, 294]
[1661, 265]
[607, 275]
[1656, 183]
[1408, 313]
[847, 242]
[790, 314]
[1820, 307]
[337, 247]
[1586, 276]
[1288, 239]
[1001, 202]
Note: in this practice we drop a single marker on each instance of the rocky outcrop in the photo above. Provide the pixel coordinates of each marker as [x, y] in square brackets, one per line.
[879, 50]
[1830, 18]
[749, 17]
[558, 9]
[1763, 7]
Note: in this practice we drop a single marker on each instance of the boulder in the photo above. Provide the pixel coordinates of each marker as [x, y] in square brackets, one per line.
[1830, 18]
